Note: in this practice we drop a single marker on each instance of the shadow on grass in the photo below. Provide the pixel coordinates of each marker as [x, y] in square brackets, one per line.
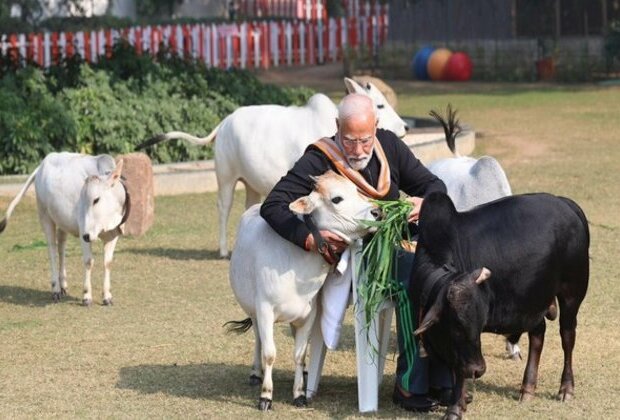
[220, 382]
[511, 392]
[17, 295]
[176, 254]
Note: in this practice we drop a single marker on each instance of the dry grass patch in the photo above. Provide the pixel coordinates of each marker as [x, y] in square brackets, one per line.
[160, 351]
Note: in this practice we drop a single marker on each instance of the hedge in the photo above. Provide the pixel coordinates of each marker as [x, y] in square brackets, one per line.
[118, 103]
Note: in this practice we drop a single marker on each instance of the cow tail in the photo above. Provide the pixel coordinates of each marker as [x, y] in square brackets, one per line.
[451, 127]
[238, 327]
[201, 141]
[17, 199]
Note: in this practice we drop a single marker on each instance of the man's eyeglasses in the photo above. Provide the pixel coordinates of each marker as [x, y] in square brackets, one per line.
[348, 142]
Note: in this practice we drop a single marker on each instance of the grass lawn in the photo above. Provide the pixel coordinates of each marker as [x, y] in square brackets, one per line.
[161, 351]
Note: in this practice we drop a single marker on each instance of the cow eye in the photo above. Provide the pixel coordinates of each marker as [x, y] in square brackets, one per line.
[380, 106]
[337, 200]
[95, 201]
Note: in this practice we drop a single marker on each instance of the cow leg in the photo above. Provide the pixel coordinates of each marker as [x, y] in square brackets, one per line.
[251, 196]
[62, 270]
[49, 228]
[225, 195]
[265, 318]
[458, 405]
[87, 259]
[530, 376]
[568, 331]
[108, 256]
[256, 374]
[302, 335]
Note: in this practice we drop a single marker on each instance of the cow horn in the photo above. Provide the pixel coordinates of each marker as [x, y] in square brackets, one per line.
[431, 317]
[485, 273]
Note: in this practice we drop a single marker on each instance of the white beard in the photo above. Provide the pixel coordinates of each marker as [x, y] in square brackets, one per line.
[358, 165]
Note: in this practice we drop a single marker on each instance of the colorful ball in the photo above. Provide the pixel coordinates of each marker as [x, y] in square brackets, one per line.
[419, 63]
[437, 63]
[458, 68]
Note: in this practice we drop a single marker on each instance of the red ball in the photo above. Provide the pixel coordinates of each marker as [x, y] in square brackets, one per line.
[458, 68]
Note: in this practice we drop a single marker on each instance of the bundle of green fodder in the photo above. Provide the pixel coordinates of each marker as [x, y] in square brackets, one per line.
[378, 268]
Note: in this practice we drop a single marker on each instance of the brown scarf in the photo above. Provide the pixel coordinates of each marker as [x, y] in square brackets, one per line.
[335, 155]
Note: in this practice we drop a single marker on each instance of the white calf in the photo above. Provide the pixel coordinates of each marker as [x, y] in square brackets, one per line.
[80, 195]
[258, 144]
[276, 281]
[471, 182]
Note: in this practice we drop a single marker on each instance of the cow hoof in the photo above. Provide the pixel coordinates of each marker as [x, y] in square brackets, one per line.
[87, 302]
[264, 404]
[565, 396]
[63, 292]
[452, 415]
[526, 397]
[107, 302]
[56, 297]
[255, 380]
[300, 401]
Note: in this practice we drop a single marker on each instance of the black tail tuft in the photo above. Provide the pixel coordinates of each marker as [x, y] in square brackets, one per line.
[451, 127]
[238, 327]
[2, 225]
[153, 140]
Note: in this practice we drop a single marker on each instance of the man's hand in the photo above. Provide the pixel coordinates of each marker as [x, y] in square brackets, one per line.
[415, 213]
[335, 242]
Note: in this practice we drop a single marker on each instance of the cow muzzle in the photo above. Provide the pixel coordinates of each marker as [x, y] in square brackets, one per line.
[86, 237]
[376, 213]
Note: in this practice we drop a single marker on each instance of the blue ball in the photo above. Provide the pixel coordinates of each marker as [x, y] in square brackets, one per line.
[418, 65]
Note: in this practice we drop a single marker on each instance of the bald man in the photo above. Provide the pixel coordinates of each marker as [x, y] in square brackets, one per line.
[381, 165]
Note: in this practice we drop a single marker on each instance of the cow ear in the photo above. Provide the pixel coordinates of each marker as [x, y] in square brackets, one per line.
[353, 86]
[481, 275]
[116, 174]
[303, 205]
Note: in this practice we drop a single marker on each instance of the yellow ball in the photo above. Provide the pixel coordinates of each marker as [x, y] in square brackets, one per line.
[437, 63]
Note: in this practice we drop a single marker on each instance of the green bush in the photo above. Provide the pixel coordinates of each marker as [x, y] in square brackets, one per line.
[116, 104]
[32, 122]
[114, 118]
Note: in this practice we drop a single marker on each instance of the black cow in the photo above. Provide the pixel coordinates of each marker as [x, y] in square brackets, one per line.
[532, 248]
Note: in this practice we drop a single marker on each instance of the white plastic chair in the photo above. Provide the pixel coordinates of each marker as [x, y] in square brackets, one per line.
[369, 364]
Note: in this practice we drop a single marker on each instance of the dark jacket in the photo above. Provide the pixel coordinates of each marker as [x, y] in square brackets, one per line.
[406, 172]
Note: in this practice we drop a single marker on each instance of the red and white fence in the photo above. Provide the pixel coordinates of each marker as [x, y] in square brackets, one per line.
[299, 9]
[242, 45]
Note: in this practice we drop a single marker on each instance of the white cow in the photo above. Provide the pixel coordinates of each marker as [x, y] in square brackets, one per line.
[258, 144]
[471, 182]
[81, 195]
[276, 281]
